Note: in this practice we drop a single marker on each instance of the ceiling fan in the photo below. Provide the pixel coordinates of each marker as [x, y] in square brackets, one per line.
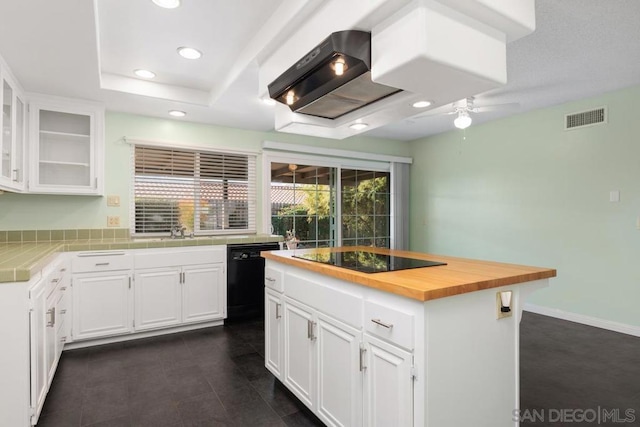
[464, 108]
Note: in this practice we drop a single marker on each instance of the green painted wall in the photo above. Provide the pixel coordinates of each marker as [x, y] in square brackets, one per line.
[523, 190]
[24, 211]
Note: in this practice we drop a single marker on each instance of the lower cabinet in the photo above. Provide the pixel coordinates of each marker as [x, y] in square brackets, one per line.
[171, 296]
[388, 384]
[204, 291]
[102, 304]
[345, 366]
[273, 332]
[299, 355]
[158, 298]
[339, 373]
[322, 364]
[46, 330]
[122, 292]
[38, 326]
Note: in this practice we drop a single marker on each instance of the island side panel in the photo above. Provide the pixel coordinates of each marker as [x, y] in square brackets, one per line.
[472, 359]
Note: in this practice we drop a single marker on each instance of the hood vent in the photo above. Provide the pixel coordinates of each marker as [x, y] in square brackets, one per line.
[585, 118]
[333, 79]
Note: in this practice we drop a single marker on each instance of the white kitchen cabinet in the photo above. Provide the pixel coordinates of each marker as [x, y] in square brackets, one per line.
[203, 293]
[102, 304]
[339, 373]
[44, 325]
[322, 364]
[388, 384]
[179, 286]
[273, 326]
[299, 352]
[12, 124]
[38, 345]
[66, 147]
[158, 298]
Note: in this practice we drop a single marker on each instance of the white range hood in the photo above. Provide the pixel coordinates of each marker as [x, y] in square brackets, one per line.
[439, 51]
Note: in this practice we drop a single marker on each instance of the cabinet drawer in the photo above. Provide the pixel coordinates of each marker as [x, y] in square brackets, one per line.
[179, 257]
[101, 261]
[274, 278]
[388, 323]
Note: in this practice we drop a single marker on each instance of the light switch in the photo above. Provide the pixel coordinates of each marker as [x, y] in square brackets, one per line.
[614, 195]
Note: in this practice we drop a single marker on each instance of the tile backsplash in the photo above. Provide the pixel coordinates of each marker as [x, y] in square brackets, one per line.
[19, 236]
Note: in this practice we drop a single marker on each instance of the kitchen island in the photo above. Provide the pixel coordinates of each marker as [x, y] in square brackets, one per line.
[428, 346]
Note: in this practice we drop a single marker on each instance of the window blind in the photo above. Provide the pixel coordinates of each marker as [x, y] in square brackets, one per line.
[202, 191]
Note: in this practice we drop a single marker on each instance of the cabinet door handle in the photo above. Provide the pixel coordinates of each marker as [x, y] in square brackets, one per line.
[101, 264]
[129, 282]
[278, 315]
[62, 270]
[64, 288]
[270, 279]
[63, 339]
[63, 311]
[54, 280]
[15, 175]
[362, 353]
[310, 334]
[381, 323]
[51, 313]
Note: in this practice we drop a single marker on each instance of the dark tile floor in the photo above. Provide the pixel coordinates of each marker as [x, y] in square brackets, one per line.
[566, 366]
[216, 377]
[210, 377]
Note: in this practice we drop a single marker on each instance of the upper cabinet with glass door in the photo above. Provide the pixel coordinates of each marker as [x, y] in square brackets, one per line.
[66, 147]
[12, 123]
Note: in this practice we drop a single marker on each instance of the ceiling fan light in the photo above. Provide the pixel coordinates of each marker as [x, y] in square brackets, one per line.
[167, 4]
[177, 113]
[463, 120]
[189, 52]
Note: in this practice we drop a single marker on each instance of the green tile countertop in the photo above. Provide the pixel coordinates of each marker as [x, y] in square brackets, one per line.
[21, 260]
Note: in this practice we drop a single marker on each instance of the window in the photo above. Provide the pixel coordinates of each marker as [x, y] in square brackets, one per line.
[366, 209]
[202, 191]
[303, 205]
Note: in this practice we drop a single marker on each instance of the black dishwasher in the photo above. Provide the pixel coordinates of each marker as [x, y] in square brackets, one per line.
[245, 280]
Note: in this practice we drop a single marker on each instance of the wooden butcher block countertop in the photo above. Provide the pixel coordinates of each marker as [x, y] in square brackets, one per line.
[459, 276]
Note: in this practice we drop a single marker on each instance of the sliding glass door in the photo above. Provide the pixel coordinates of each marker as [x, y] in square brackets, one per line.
[323, 206]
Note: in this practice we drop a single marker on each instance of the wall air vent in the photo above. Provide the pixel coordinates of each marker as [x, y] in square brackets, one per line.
[585, 118]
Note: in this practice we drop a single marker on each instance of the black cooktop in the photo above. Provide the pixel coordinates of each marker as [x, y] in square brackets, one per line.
[367, 262]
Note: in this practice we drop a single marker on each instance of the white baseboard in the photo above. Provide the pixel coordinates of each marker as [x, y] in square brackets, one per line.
[585, 320]
[134, 336]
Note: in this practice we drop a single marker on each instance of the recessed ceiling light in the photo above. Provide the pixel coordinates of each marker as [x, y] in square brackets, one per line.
[177, 113]
[167, 4]
[359, 126]
[145, 74]
[269, 101]
[421, 104]
[189, 52]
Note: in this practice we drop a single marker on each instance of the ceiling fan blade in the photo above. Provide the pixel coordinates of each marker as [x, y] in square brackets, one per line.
[433, 114]
[496, 107]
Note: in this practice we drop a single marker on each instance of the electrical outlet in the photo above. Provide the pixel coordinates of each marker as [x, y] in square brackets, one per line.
[113, 200]
[113, 221]
[504, 304]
